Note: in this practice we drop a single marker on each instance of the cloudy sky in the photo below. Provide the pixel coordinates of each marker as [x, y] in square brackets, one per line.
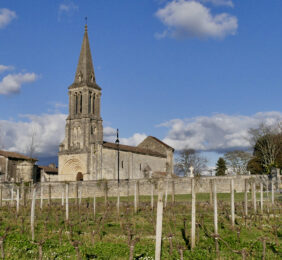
[194, 73]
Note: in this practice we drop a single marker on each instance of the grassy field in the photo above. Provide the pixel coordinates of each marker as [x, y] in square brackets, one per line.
[109, 236]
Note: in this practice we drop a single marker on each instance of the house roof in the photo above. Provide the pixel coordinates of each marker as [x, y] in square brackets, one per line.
[133, 149]
[49, 169]
[15, 155]
[161, 142]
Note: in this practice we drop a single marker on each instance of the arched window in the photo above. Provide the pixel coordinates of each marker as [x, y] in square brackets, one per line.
[79, 177]
[80, 103]
[93, 104]
[76, 104]
[89, 103]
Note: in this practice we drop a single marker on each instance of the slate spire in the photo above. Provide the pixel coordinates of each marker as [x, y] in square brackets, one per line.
[85, 70]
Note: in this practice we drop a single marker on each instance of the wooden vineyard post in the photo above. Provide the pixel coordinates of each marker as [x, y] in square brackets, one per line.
[18, 199]
[118, 200]
[32, 215]
[166, 191]
[254, 196]
[232, 202]
[76, 194]
[215, 219]
[12, 195]
[267, 190]
[135, 198]
[210, 192]
[63, 199]
[49, 195]
[152, 196]
[1, 194]
[173, 192]
[80, 196]
[94, 205]
[41, 196]
[272, 192]
[106, 193]
[67, 201]
[193, 214]
[159, 222]
[261, 197]
[246, 198]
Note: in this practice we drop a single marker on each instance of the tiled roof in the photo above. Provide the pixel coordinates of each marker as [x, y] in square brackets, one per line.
[16, 155]
[161, 142]
[49, 169]
[133, 149]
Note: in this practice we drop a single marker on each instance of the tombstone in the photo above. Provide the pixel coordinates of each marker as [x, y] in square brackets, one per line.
[191, 171]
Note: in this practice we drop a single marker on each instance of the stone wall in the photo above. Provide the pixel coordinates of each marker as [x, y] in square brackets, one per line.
[145, 186]
[132, 165]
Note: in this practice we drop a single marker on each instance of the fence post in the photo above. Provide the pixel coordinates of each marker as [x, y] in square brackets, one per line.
[272, 192]
[94, 205]
[210, 182]
[215, 217]
[12, 195]
[152, 196]
[166, 191]
[63, 195]
[173, 192]
[246, 198]
[232, 203]
[118, 200]
[1, 194]
[67, 201]
[261, 197]
[32, 215]
[135, 198]
[18, 200]
[76, 194]
[193, 214]
[49, 195]
[254, 197]
[41, 195]
[159, 221]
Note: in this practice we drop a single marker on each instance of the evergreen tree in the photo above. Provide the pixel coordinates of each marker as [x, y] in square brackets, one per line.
[220, 167]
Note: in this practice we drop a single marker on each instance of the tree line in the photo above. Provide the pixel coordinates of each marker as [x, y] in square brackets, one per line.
[264, 155]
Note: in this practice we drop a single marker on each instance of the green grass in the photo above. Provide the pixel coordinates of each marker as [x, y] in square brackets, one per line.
[63, 240]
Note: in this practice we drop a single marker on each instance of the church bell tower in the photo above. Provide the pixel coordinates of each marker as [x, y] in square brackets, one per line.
[81, 151]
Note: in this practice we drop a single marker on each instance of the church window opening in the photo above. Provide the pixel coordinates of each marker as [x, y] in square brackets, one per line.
[140, 167]
[93, 104]
[79, 177]
[91, 131]
[122, 164]
[76, 104]
[80, 108]
[89, 104]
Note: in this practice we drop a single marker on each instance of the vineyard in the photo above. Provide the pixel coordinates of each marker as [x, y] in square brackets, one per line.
[193, 226]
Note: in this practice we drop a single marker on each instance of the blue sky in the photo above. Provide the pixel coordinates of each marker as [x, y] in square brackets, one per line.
[195, 74]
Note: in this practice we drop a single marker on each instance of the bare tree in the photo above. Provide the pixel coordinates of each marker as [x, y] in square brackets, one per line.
[186, 159]
[238, 161]
[31, 146]
[267, 144]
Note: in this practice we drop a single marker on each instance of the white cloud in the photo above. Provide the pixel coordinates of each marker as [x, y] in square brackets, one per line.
[12, 83]
[68, 9]
[110, 135]
[219, 2]
[219, 132]
[5, 68]
[6, 16]
[48, 131]
[189, 18]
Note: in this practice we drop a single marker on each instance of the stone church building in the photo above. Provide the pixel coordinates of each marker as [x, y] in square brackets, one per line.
[84, 155]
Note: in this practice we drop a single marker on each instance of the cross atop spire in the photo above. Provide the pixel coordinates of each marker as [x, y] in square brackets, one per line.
[85, 71]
